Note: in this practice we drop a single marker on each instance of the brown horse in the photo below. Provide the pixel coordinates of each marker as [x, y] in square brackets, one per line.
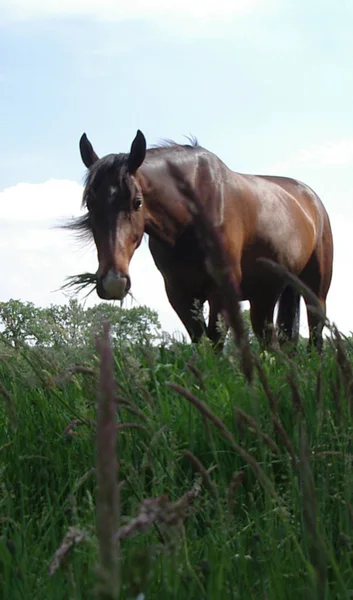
[127, 195]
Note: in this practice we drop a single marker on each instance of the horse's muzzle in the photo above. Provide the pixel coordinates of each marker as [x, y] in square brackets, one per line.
[113, 286]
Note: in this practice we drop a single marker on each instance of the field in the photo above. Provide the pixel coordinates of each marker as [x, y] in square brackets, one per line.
[249, 486]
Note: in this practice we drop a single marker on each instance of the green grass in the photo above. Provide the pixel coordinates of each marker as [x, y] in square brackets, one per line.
[239, 539]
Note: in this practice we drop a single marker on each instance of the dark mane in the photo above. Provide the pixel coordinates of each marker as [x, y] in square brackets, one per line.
[81, 226]
[117, 163]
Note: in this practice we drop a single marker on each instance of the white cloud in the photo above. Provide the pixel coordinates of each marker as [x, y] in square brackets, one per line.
[332, 154]
[120, 10]
[337, 153]
[53, 199]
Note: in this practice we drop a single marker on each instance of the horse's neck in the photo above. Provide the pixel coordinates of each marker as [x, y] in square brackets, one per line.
[167, 210]
[167, 213]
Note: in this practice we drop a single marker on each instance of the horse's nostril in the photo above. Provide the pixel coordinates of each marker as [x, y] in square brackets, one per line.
[128, 283]
[100, 288]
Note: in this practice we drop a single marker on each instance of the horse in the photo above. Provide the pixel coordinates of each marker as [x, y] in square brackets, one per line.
[257, 216]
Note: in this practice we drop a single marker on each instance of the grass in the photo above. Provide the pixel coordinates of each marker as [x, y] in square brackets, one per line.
[227, 490]
[77, 283]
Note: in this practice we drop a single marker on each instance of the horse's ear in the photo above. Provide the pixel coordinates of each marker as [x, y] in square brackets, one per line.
[88, 155]
[137, 153]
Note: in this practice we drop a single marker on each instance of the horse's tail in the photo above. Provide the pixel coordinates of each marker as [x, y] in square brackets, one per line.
[288, 314]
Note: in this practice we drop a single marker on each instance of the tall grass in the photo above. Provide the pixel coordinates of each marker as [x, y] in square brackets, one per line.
[216, 499]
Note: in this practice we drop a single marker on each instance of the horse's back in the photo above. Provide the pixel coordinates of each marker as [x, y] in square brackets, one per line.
[282, 203]
[309, 199]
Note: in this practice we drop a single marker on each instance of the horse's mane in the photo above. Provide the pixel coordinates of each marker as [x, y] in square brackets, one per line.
[167, 143]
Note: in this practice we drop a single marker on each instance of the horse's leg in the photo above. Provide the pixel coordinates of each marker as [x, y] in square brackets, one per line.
[261, 315]
[316, 326]
[315, 321]
[214, 332]
[317, 276]
[184, 306]
[288, 316]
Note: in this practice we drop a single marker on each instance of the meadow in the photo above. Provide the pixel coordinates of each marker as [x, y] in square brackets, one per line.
[196, 484]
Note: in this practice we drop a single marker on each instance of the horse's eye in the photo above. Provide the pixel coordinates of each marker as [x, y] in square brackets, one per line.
[137, 203]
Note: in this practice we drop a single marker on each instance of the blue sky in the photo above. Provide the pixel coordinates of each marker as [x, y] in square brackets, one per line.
[265, 84]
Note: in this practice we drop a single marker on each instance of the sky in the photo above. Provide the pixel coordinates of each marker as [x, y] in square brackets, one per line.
[267, 85]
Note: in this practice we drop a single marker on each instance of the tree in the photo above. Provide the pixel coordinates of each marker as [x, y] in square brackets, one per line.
[72, 325]
[22, 322]
[68, 324]
[131, 325]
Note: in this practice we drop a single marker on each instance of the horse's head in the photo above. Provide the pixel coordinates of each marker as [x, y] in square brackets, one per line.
[116, 213]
